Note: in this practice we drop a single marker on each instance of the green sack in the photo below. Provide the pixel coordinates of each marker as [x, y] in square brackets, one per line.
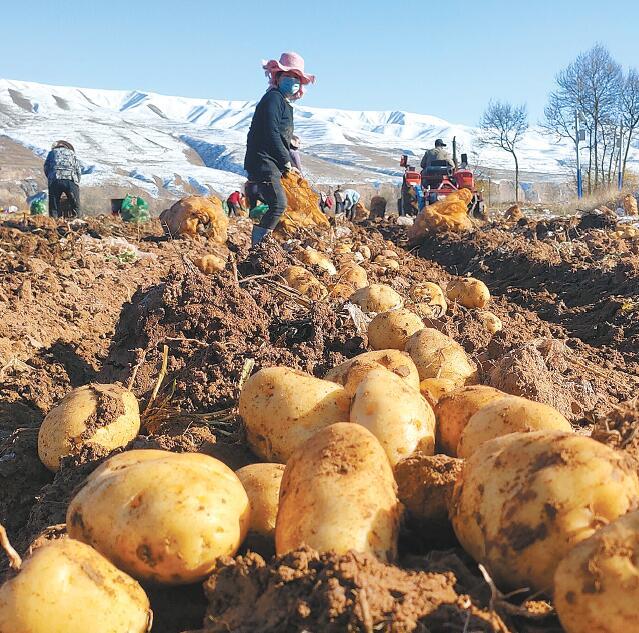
[257, 212]
[135, 210]
[38, 207]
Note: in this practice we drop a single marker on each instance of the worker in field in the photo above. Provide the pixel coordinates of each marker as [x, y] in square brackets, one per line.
[235, 203]
[268, 143]
[351, 198]
[62, 170]
[296, 159]
[439, 152]
[338, 195]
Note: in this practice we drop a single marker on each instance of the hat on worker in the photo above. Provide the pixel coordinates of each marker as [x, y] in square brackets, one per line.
[288, 62]
[440, 143]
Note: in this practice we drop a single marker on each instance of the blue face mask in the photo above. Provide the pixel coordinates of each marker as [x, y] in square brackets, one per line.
[289, 86]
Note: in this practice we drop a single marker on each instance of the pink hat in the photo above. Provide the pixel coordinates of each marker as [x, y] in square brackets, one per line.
[288, 62]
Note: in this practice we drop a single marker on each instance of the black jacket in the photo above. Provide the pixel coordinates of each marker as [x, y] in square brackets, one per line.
[269, 138]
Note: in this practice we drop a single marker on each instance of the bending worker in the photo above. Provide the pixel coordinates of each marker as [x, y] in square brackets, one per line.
[351, 198]
[268, 143]
[62, 170]
[437, 153]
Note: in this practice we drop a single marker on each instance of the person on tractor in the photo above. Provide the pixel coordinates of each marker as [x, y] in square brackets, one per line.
[437, 153]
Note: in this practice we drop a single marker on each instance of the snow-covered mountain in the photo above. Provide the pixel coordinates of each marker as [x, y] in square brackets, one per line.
[173, 144]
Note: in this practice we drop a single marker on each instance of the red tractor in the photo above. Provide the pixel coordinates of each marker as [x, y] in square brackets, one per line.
[438, 180]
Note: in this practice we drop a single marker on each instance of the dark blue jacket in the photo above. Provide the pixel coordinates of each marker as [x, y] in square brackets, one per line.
[62, 164]
[269, 138]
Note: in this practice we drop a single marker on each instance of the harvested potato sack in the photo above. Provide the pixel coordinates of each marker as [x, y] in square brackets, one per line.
[315, 258]
[67, 587]
[431, 299]
[338, 494]
[396, 414]
[454, 410]
[524, 500]
[351, 372]
[490, 321]
[377, 298]
[597, 582]
[438, 356]
[391, 330]
[195, 215]
[209, 264]
[434, 389]
[282, 408]
[262, 484]
[469, 292]
[160, 516]
[508, 414]
[106, 416]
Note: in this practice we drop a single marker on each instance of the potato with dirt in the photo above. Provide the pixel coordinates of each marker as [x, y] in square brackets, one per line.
[338, 494]
[396, 414]
[351, 372]
[434, 389]
[597, 582]
[313, 257]
[377, 298]
[524, 500]
[391, 330]
[491, 322]
[469, 292]
[161, 517]
[353, 275]
[305, 282]
[209, 264]
[103, 416]
[438, 356]
[454, 409]
[281, 408]
[430, 297]
[66, 586]
[509, 414]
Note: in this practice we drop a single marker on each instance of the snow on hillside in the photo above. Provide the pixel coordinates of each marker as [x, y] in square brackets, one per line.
[159, 142]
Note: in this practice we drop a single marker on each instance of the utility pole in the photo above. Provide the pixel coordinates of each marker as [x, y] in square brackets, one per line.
[620, 176]
[580, 193]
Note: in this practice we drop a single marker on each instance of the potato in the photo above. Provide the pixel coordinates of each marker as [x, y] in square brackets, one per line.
[508, 414]
[391, 330]
[67, 587]
[106, 416]
[304, 282]
[438, 356]
[282, 408]
[315, 258]
[262, 484]
[364, 251]
[160, 516]
[338, 494]
[377, 298]
[209, 264]
[340, 291]
[434, 389]
[396, 414]
[353, 275]
[389, 263]
[524, 500]
[491, 322]
[343, 248]
[469, 292]
[313, 289]
[350, 373]
[455, 409]
[296, 274]
[597, 582]
[430, 297]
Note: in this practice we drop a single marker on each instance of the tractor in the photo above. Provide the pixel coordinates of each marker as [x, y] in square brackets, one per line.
[435, 183]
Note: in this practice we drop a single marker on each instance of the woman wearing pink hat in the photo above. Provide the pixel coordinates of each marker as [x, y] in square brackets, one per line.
[269, 139]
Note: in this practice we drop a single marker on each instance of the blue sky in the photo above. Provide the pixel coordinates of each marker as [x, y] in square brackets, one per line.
[443, 58]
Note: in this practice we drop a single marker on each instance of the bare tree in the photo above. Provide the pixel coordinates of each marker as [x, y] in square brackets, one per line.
[503, 125]
[629, 107]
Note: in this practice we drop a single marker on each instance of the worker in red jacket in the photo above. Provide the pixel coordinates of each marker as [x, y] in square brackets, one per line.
[235, 203]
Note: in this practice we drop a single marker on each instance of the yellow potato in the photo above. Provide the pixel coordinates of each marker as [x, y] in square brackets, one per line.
[490, 321]
[282, 408]
[391, 330]
[315, 258]
[508, 414]
[350, 373]
[313, 289]
[304, 282]
[389, 263]
[343, 248]
[209, 264]
[364, 251]
[524, 500]
[160, 516]
[107, 416]
[430, 297]
[67, 587]
[469, 292]
[377, 298]
[262, 484]
[338, 494]
[597, 582]
[438, 356]
[353, 275]
[434, 389]
[454, 410]
[396, 414]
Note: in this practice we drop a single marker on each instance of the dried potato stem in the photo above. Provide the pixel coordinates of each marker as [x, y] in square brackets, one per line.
[15, 562]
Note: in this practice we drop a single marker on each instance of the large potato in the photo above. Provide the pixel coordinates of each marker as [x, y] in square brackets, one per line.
[262, 484]
[107, 416]
[469, 292]
[597, 582]
[160, 516]
[438, 356]
[455, 409]
[491, 322]
[352, 371]
[430, 297]
[434, 389]
[524, 500]
[391, 330]
[508, 414]
[282, 408]
[396, 414]
[338, 494]
[304, 282]
[209, 264]
[377, 298]
[354, 276]
[67, 587]
[315, 258]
